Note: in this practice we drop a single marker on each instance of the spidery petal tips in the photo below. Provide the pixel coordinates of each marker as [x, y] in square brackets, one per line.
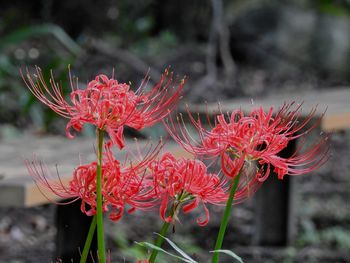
[107, 103]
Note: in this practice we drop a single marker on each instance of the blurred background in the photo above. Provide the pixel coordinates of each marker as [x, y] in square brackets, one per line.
[227, 49]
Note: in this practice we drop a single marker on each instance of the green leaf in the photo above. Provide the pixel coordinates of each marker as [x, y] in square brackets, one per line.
[180, 251]
[230, 253]
[41, 30]
[151, 246]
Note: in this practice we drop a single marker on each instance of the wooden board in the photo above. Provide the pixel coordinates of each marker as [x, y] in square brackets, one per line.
[336, 103]
[18, 189]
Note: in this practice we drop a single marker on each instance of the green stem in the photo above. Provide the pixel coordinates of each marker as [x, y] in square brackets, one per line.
[163, 231]
[88, 241]
[224, 221]
[99, 212]
[159, 241]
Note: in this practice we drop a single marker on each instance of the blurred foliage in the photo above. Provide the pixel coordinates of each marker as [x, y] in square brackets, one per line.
[133, 251]
[128, 24]
[148, 28]
[335, 236]
[45, 30]
[319, 218]
[134, 20]
[24, 46]
[153, 46]
[333, 206]
[333, 7]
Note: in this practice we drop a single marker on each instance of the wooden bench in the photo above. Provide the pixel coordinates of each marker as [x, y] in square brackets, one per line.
[17, 188]
[276, 200]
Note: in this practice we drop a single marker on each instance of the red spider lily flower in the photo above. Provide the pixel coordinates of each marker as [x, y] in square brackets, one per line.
[122, 185]
[257, 137]
[108, 104]
[186, 182]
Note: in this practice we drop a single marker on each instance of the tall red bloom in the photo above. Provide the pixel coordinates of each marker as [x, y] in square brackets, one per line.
[185, 182]
[257, 137]
[108, 104]
[122, 185]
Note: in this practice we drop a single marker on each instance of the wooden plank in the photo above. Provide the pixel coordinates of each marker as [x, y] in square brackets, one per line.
[17, 188]
[336, 122]
[336, 103]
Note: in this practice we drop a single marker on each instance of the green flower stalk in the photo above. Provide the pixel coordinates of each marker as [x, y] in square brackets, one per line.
[88, 241]
[99, 212]
[224, 221]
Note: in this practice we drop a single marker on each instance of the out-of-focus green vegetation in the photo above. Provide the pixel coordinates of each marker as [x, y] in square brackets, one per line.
[150, 47]
[25, 47]
[53, 34]
[20, 48]
[133, 251]
[128, 25]
[336, 237]
[337, 8]
[320, 223]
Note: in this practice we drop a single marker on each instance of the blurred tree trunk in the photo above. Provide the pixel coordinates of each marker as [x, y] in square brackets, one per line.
[218, 80]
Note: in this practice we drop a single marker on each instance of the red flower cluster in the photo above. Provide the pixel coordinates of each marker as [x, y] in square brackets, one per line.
[259, 137]
[108, 104]
[186, 181]
[121, 185]
[248, 145]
